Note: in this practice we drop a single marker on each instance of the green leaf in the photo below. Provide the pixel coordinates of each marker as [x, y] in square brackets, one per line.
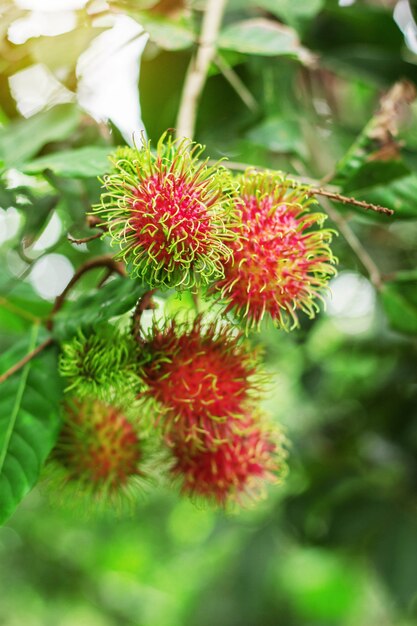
[291, 11]
[373, 173]
[278, 135]
[29, 422]
[23, 139]
[399, 195]
[262, 36]
[116, 298]
[400, 304]
[87, 162]
[168, 34]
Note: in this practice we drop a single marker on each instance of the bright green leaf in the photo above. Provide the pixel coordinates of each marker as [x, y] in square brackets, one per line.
[166, 33]
[262, 36]
[29, 422]
[21, 140]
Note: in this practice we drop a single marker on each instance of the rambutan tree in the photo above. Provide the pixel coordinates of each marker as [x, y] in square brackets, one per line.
[146, 367]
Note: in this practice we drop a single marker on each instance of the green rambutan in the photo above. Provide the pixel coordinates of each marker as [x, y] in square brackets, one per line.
[102, 364]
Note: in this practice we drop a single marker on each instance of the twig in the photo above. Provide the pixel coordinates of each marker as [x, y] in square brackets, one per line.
[198, 68]
[78, 242]
[352, 240]
[144, 303]
[31, 355]
[337, 197]
[106, 260]
[236, 82]
[333, 194]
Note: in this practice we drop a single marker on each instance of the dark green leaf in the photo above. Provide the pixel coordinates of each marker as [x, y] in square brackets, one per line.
[399, 195]
[375, 173]
[400, 304]
[117, 297]
[29, 422]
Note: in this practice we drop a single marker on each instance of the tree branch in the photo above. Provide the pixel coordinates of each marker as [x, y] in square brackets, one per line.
[330, 192]
[31, 355]
[337, 197]
[78, 242]
[197, 71]
[145, 302]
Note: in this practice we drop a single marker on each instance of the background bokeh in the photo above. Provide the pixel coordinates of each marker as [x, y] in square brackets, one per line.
[336, 545]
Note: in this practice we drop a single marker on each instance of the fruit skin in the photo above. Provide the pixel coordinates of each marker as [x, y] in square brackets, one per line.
[99, 455]
[199, 379]
[236, 471]
[282, 259]
[170, 214]
[102, 364]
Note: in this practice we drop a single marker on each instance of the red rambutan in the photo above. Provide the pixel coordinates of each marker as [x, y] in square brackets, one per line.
[170, 213]
[235, 470]
[281, 260]
[201, 377]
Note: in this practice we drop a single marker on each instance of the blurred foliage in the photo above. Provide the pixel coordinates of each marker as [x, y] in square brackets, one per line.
[337, 545]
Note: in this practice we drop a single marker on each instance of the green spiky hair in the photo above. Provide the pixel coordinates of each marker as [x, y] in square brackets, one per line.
[170, 214]
[102, 363]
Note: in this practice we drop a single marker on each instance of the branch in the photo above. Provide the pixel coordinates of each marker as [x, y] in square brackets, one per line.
[337, 197]
[78, 242]
[197, 71]
[145, 302]
[333, 194]
[106, 260]
[31, 355]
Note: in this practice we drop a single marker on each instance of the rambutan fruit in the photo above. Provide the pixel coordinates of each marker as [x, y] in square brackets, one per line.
[102, 364]
[170, 213]
[282, 259]
[198, 378]
[99, 454]
[235, 471]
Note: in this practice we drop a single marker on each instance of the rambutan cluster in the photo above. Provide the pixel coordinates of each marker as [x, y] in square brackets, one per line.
[249, 245]
[203, 382]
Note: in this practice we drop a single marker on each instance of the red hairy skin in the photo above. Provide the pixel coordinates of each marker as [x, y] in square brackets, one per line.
[236, 470]
[202, 379]
[282, 260]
